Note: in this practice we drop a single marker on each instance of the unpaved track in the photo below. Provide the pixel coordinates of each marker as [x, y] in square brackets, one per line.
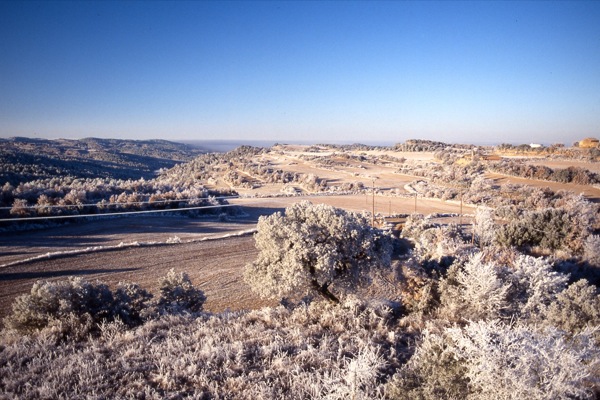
[589, 191]
[215, 266]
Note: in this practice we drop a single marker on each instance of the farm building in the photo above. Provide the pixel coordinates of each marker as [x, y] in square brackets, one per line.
[589, 143]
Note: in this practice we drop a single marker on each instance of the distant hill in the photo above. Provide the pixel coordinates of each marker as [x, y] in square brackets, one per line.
[26, 159]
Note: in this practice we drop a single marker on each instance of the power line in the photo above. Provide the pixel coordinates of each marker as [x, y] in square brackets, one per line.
[100, 204]
[115, 213]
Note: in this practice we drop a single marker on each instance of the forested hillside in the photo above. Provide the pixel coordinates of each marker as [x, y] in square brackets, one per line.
[27, 159]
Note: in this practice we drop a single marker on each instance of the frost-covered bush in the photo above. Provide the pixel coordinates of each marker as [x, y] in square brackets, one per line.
[550, 229]
[316, 249]
[415, 225]
[133, 304]
[312, 351]
[575, 308]
[591, 250]
[484, 227]
[178, 294]
[525, 288]
[73, 307]
[535, 286]
[440, 244]
[474, 291]
[493, 360]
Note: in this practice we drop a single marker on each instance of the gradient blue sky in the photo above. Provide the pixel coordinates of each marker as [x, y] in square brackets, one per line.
[479, 72]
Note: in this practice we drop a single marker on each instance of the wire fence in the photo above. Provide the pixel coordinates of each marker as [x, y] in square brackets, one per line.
[109, 214]
[108, 204]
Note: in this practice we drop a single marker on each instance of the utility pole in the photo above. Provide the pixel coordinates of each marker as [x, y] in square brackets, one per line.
[415, 202]
[373, 214]
[461, 210]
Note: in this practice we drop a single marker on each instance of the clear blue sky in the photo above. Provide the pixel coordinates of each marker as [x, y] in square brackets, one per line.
[478, 72]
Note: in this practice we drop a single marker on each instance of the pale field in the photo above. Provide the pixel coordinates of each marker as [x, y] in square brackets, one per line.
[592, 166]
[214, 261]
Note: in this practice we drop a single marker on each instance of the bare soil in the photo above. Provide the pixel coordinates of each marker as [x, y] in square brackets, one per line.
[214, 266]
[591, 192]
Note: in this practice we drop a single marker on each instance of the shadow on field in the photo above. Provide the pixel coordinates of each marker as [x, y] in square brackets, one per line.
[42, 239]
[55, 274]
[253, 213]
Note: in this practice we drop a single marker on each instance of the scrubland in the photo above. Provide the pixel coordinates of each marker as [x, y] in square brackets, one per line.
[490, 289]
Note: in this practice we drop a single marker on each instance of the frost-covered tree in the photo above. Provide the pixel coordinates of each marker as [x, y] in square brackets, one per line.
[317, 249]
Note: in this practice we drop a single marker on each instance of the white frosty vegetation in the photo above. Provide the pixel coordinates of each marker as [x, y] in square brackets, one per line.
[315, 249]
[491, 359]
[592, 249]
[178, 295]
[484, 227]
[314, 351]
[474, 291]
[73, 309]
[473, 323]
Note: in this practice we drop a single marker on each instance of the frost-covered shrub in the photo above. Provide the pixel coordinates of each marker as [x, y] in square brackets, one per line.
[490, 359]
[415, 225]
[534, 286]
[132, 304]
[550, 228]
[575, 308]
[591, 250]
[74, 306]
[433, 372]
[316, 249]
[475, 290]
[440, 244]
[178, 295]
[484, 227]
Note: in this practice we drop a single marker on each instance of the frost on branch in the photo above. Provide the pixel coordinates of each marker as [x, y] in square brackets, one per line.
[178, 295]
[315, 249]
[493, 360]
[535, 286]
[474, 291]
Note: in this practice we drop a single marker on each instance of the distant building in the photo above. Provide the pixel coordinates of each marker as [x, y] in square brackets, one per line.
[589, 143]
[535, 145]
